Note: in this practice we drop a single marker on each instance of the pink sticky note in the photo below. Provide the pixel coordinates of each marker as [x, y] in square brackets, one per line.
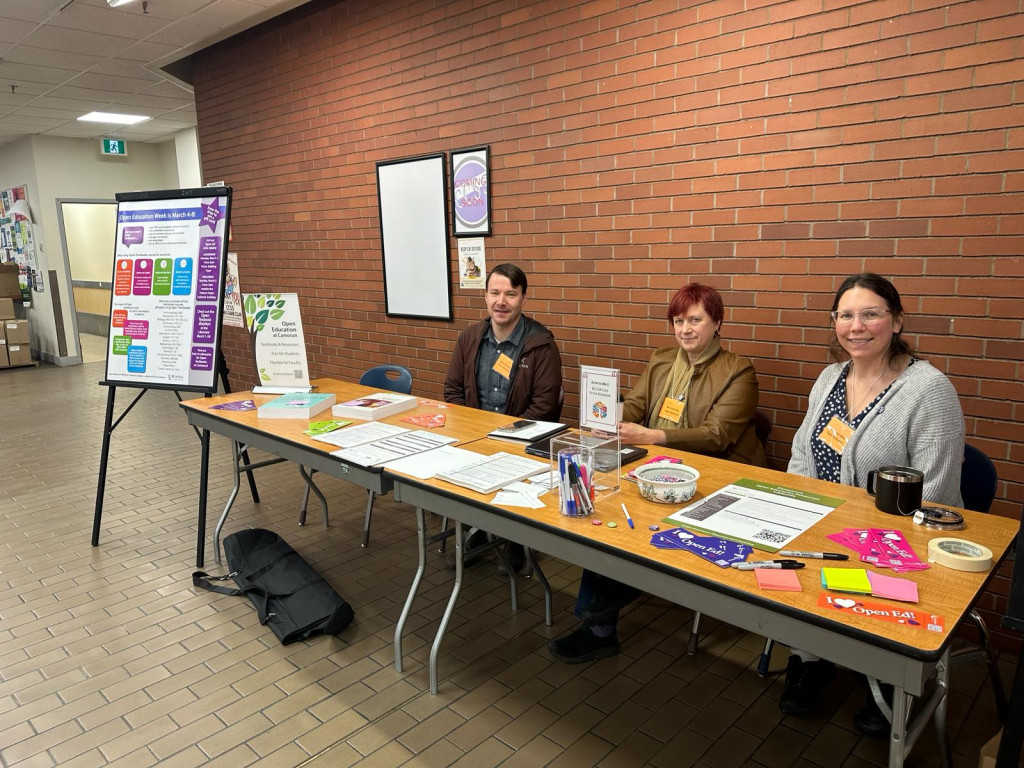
[783, 579]
[891, 588]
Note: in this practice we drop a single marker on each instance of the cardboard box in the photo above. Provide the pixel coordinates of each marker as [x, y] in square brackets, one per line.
[9, 284]
[6, 309]
[19, 354]
[3, 354]
[16, 331]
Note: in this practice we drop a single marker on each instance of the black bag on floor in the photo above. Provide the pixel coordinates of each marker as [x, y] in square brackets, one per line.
[289, 595]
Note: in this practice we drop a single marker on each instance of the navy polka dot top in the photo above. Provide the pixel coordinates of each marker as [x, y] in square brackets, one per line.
[826, 460]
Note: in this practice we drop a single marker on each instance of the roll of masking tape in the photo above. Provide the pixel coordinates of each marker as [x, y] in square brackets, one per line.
[959, 555]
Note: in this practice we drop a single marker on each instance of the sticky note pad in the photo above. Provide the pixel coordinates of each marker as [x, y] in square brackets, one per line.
[784, 580]
[853, 580]
[892, 588]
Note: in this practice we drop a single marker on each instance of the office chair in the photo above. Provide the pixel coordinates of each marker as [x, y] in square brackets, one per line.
[763, 429]
[393, 378]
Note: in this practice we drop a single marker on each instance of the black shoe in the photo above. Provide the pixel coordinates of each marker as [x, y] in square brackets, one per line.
[805, 685]
[516, 555]
[583, 645]
[870, 721]
[479, 538]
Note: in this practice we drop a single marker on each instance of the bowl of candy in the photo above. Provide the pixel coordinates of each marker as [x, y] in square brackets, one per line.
[667, 483]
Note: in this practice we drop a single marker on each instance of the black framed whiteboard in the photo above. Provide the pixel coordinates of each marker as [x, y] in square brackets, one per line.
[414, 235]
[168, 289]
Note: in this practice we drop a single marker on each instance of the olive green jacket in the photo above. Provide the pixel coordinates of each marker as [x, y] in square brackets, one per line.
[722, 402]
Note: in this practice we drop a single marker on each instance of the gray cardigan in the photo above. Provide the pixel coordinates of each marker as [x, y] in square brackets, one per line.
[917, 424]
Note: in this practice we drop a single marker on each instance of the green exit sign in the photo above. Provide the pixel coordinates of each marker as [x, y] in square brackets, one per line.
[115, 147]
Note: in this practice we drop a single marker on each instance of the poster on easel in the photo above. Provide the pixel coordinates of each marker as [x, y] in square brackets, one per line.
[168, 289]
[277, 343]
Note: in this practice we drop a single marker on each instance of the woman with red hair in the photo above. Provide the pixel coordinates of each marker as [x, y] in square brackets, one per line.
[693, 396]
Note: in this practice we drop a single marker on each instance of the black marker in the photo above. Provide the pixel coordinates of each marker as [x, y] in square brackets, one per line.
[814, 555]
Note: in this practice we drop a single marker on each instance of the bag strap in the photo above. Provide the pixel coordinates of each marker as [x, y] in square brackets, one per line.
[202, 581]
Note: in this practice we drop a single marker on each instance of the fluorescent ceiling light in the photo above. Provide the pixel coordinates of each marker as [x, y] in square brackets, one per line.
[110, 117]
[115, 3]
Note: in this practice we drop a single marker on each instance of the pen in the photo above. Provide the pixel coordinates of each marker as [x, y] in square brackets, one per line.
[626, 513]
[814, 555]
[574, 483]
[784, 565]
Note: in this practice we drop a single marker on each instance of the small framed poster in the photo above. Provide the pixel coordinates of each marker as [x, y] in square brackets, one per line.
[471, 193]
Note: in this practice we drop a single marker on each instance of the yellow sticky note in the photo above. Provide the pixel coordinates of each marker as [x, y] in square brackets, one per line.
[853, 580]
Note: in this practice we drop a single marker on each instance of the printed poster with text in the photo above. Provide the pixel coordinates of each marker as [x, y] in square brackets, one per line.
[168, 286]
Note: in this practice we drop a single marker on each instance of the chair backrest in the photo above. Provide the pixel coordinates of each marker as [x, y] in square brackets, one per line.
[978, 480]
[393, 378]
[763, 427]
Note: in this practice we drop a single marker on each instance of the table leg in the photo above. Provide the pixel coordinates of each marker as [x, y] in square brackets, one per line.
[237, 452]
[421, 538]
[939, 718]
[898, 728]
[204, 474]
[535, 567]
[450, 609]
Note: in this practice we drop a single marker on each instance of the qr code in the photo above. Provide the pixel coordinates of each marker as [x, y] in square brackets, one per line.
[774, 537]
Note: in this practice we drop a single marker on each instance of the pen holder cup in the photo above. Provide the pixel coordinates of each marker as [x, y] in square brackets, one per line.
[587, 469]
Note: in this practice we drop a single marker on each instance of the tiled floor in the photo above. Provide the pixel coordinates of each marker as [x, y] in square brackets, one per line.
[94, 348]
[109, 657]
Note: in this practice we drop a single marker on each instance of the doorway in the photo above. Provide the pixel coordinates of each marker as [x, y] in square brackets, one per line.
[88, 230]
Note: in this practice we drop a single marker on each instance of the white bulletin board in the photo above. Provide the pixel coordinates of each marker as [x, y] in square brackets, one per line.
[414, 234]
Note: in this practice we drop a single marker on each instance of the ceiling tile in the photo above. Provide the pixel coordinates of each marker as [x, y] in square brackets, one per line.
[12, 30]
[66, 63]
[52, 57]
[76, 41]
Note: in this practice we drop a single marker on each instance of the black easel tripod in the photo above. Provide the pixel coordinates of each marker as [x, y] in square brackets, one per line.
[109, 425]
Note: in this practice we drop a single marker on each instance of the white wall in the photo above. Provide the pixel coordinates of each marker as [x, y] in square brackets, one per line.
[72, 168]
[186, 146]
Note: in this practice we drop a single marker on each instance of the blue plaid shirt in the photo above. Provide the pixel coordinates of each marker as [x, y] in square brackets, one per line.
[492, 387]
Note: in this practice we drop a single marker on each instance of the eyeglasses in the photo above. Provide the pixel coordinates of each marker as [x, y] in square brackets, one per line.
[867, 316]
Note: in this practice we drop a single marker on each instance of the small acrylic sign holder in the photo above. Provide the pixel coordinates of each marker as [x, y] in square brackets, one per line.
[587, 466]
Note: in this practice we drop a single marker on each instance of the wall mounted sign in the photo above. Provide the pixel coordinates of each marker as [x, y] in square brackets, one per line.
[471, 193]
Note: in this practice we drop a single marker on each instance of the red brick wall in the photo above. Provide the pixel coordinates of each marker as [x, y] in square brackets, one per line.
[769, 149]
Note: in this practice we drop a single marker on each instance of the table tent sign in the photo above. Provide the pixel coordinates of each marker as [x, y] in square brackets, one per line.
[278, 346]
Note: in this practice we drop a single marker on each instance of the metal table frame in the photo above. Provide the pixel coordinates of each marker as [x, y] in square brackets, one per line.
[904, 667]
[373, 479]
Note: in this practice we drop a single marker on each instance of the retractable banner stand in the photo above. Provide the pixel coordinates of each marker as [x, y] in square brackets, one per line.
[167, 300]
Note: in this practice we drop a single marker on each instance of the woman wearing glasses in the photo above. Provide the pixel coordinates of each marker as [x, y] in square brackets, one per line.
[877, 405]
[693, 396]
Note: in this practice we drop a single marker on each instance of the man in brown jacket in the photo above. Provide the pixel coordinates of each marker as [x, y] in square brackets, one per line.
[508, 363]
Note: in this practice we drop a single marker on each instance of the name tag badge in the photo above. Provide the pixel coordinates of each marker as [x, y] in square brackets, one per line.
[836, 434]
[672, 409]
[503, 366]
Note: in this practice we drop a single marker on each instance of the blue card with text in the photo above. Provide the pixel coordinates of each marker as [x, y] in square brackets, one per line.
[721, 552]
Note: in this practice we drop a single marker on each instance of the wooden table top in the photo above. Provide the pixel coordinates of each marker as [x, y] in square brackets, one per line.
[944, 592]
[463, 423]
